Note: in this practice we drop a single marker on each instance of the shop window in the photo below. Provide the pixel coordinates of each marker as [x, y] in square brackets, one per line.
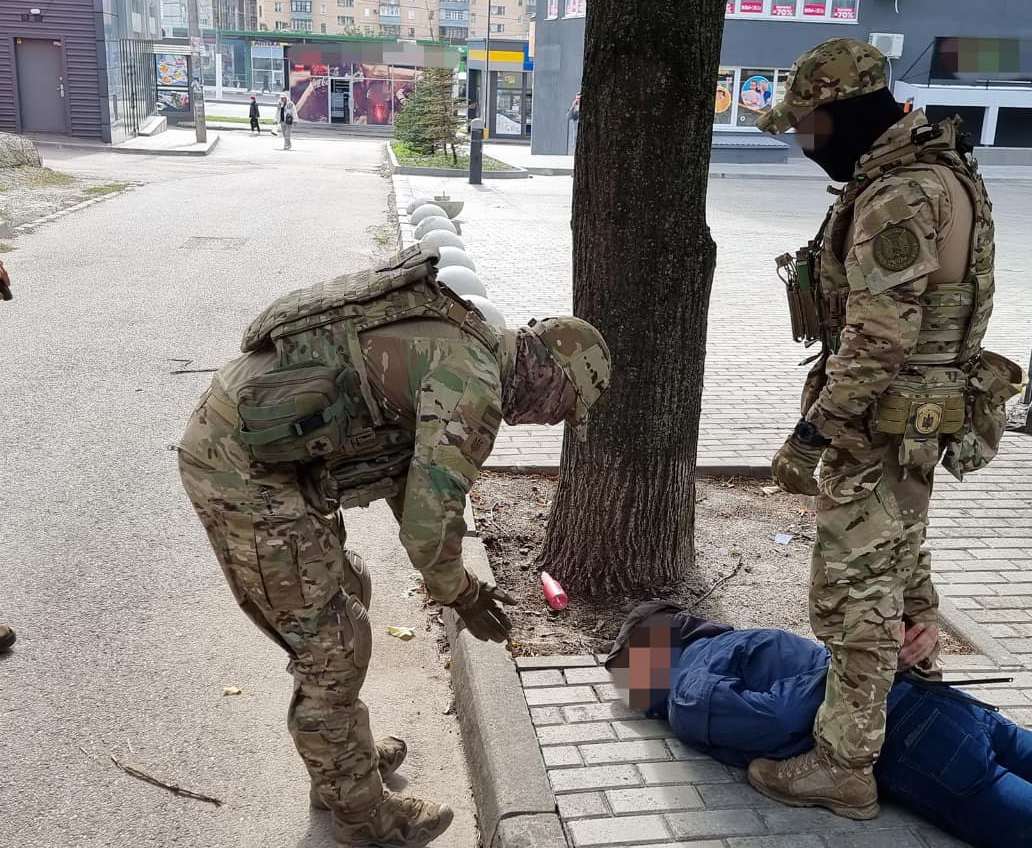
[1014, 127]
[575, 8]
[814, 11]
[724, 103]
[553, 10]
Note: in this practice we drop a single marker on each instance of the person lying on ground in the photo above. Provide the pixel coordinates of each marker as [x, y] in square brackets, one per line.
[743, 695]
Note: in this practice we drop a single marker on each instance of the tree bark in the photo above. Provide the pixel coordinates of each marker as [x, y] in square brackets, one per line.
[643, 262]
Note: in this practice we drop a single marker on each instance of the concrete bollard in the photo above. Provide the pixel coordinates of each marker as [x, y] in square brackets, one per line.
[454, 256]
[435, 222]
[462, 281]
[442, 238]
[415, 204]
[427, 210]
[492, 314]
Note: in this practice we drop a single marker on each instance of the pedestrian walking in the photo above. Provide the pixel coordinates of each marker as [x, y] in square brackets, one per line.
[381, 385]
[287, 114]
[903, 274]
[573, 121]
[253, 114]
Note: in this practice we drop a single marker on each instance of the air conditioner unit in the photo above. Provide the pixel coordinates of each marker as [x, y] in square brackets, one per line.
[889, 43]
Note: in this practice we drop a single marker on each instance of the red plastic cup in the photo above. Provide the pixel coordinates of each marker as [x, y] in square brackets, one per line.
[555, 595]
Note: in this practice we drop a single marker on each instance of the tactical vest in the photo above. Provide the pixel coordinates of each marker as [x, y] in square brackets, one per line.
[317, 404]
[955, 315]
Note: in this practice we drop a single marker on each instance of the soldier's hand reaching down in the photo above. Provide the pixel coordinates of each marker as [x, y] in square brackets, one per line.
[480, 610]
[794, 465]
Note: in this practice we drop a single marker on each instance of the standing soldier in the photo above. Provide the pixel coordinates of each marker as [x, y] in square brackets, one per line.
[380, 384]
[898, 288]
[6, 633]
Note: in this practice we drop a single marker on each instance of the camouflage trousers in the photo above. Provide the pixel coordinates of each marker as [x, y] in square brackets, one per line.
[290, 573]
[869, 571]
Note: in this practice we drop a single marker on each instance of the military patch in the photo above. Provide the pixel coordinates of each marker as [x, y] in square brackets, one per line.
[896, 248]
[928, 418]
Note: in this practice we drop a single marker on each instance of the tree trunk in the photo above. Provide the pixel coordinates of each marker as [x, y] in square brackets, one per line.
[643, 263]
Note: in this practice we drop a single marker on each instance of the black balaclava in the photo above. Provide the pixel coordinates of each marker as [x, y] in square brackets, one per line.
[856, 124]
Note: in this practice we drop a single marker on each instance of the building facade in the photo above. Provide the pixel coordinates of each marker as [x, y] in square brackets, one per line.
[501, 86]
[948, 56]
[80, 68]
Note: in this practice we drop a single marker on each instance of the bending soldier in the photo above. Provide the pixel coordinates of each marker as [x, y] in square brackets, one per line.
[377, 385]
[902, 276]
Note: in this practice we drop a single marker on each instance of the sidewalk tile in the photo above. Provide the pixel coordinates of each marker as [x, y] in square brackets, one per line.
[575, 734]
[582, 805]
[644, 729]
[593, 778]
[561, 756]
[588, 675]
[535, 679]
[546, 715]
[533, 663]
[558, 695]
[683, 752]
[629, 830]
[802, 840]
[715, 823]
[733, 795]
[599, 712]
[685, 771]
[653, 799]
[624, 752]
[937, 839]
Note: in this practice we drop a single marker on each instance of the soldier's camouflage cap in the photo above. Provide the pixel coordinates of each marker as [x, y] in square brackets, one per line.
[836, 69]
[581, 352]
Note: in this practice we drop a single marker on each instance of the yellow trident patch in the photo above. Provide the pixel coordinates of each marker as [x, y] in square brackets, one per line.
[928, 418]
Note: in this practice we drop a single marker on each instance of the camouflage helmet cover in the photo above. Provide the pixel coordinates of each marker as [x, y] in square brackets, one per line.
[582, 354]
[836, 69]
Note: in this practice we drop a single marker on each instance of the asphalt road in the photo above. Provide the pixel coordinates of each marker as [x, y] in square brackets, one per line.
[127, 634]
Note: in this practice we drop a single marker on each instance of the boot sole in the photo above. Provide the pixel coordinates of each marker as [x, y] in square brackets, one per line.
[7, 642]
[447, 816]
[865, 813]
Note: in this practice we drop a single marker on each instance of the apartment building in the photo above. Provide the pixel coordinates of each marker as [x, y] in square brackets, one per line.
[447, 20]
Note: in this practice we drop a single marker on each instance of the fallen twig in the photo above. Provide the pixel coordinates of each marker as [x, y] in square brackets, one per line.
[194, 371]
[730, 576]
[153, 781]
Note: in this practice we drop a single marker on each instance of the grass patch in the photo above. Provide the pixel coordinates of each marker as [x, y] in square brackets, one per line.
[107, 188]
[235, 119]
[408, 156]
[46, 177]
[6, 248]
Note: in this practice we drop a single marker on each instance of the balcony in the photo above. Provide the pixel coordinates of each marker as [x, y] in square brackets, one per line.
[390, 15]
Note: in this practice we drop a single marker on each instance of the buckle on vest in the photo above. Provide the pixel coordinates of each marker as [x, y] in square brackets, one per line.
[304, 426]
[363, 439]
[925, 134]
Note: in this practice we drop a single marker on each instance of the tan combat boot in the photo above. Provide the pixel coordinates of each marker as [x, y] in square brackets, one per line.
[391, 752]
[6, 638]
[813, 779]
[398, 821]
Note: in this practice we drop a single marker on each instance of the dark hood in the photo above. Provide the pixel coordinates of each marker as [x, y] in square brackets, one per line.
[687, 626]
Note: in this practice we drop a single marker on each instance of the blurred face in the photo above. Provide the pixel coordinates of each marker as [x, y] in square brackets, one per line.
[642, 671]
[536, 390]
[814, 132]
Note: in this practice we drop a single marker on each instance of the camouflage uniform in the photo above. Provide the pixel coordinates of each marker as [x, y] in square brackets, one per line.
[418, 420]
[904, 264]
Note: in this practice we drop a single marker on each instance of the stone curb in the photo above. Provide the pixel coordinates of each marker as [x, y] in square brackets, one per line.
[23, 229]
[515, 804]
[211, 144]
[411, 170]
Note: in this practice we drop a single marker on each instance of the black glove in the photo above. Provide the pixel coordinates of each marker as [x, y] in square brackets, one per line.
[479, 609]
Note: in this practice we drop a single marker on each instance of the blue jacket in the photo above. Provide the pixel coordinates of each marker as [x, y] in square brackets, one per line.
[755, 693]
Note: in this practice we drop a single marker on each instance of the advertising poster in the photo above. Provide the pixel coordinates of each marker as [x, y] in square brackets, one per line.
[404, 83]
[843, 10]
[173, 102]
[371, 102]
[724, 98]
[171, 71]
[783, 8]
[730, 7]
[755, 96]
[311, 96]
[815, 8]
[575, 8]
[750, 7]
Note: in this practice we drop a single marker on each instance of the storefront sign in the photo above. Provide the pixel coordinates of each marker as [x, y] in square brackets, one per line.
[751, 7]
[815, 8]
[779, 9]
[844, 11]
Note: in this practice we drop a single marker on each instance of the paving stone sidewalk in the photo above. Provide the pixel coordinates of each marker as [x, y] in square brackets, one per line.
[620, 780]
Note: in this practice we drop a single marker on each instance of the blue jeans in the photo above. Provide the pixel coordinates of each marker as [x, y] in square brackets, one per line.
[961, 766]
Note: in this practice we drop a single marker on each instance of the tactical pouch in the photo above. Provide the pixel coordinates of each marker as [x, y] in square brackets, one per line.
[920, 406]
[295, 414]
[796, 273]
[993, 380]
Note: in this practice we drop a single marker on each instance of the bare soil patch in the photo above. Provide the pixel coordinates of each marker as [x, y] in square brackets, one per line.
[752, 564]
[28, 193]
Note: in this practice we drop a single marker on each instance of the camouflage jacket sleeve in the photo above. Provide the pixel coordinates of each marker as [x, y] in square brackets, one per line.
[458, 410]
[893, 252]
